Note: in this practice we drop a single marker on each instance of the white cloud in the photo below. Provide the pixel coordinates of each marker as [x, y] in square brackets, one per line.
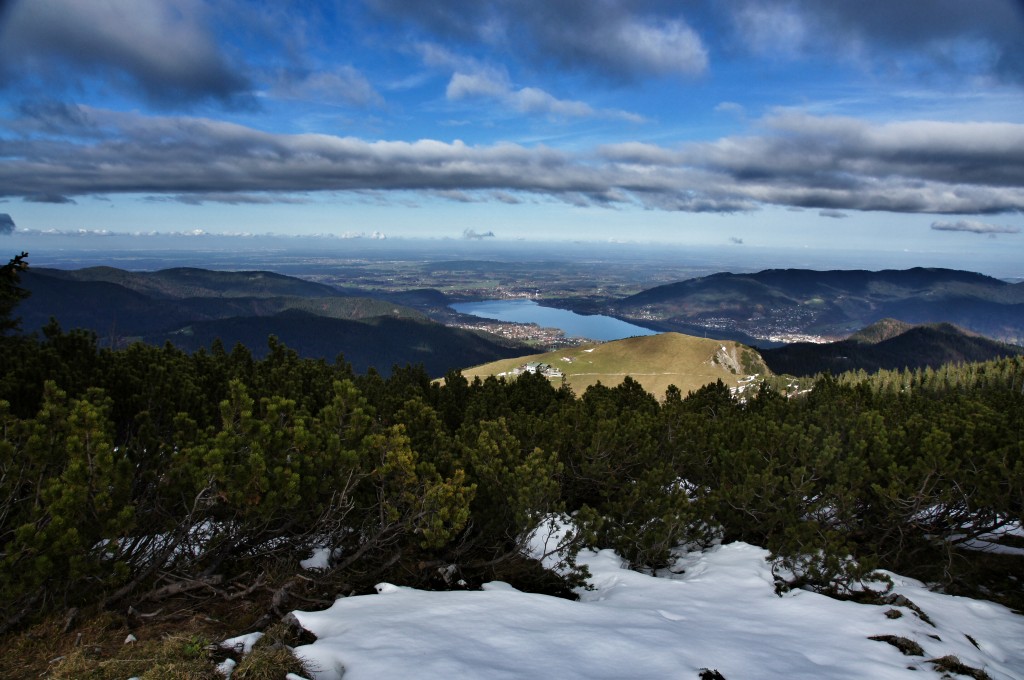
[611, 38]
[341, 85]
[915, 38]
[528, 100]
[661, 47]
[732, 108]
[771, 30]
[463, 85]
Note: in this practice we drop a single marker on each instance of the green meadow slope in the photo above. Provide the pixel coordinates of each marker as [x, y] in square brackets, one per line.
[655, 361]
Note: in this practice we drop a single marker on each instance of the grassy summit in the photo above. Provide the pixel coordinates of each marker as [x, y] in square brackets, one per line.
[655, 361]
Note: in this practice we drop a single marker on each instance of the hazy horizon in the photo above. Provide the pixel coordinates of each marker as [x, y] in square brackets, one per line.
[284, 254]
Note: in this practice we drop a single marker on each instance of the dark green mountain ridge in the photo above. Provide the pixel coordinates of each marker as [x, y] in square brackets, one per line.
[888, 345]
[183, 282]
[379, 342]
[192, 307]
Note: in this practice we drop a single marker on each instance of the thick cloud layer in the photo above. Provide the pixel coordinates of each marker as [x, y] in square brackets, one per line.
[831, 164]
[159, 46]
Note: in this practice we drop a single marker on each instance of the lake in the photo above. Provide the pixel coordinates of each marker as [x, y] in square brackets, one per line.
[594, 327]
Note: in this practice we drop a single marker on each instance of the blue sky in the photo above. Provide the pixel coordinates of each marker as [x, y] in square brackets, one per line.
[794, 123]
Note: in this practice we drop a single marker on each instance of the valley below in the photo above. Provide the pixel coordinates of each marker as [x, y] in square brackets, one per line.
[449, 311]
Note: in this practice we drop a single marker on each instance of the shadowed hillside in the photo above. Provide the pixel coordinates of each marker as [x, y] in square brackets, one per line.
[378, 342]
[186, 282]
[123, 304]
[888, 345]
[192, 307]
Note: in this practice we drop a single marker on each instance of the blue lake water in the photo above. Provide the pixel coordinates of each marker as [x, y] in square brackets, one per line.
[595, 327]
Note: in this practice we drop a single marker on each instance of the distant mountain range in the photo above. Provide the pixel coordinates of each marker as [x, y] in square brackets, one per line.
[780, 305]
[888, 344]
[944, 314]
[192, 307]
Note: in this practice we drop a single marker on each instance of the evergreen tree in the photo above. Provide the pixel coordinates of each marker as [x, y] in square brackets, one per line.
[11, 292]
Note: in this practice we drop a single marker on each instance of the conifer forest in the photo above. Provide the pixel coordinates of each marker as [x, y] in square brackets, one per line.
[131, 475]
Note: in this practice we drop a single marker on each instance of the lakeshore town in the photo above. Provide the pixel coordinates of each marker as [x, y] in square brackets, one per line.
[529, 333]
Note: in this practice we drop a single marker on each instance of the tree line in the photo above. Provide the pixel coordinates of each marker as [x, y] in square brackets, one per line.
[128, 476]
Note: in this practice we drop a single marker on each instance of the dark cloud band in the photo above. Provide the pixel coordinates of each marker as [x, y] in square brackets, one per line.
[975, 227]
[163, 48]
[829, 164]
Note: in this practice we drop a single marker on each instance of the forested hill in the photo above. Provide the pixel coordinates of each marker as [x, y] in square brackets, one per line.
[378, 342]
[887, 345]
[193, 307]
[137, 304]
[835, 303]
[191, 282]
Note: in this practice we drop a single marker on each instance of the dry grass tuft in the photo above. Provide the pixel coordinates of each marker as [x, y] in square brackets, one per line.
[95, 649]
[907, 646]
[270, 662]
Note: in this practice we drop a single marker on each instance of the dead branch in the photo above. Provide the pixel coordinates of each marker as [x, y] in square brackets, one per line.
[260, 582]
[180, 587]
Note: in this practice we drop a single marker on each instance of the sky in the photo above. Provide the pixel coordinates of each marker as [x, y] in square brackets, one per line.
[867, 125]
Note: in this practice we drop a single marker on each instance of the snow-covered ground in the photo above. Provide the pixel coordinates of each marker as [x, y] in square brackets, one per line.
[721, 613]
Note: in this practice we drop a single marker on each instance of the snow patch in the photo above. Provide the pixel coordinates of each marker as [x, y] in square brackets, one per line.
[721, 612]
[320, 560]
[242, 644]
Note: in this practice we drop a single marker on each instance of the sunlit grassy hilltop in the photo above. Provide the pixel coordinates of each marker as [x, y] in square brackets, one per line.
[655, 361]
